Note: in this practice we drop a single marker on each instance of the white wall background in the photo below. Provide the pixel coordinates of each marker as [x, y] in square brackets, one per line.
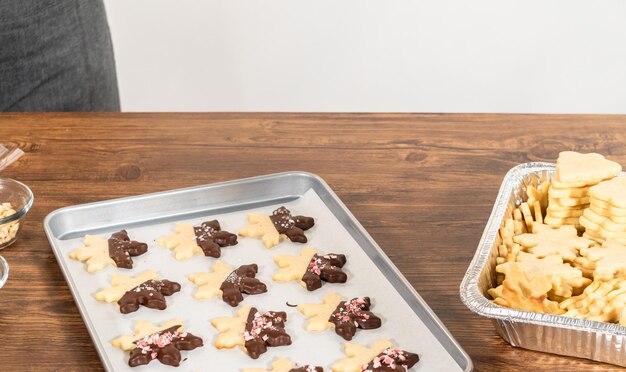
[532, 56]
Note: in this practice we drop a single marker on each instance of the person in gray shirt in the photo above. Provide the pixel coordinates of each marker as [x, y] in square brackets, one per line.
[56, 55]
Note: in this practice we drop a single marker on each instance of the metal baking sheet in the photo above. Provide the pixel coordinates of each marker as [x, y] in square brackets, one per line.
[407, 320]
[555, 334]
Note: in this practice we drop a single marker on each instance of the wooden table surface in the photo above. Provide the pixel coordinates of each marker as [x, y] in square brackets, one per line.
[422, 185]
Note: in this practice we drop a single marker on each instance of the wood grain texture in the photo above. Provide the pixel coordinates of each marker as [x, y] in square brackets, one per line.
[422, 185]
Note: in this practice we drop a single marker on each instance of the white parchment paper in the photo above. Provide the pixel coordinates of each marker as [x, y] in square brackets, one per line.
[400, 323]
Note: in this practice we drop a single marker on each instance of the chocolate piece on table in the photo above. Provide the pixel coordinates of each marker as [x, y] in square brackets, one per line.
[211, 238]
[240, 281]
[353, 314]
[291, 226]
[149, 294]
[263, 330]
[326, 268]
[392, 360]
[121, 248]
[164, 346]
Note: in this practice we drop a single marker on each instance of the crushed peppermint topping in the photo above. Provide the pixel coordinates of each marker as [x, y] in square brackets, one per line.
[317, 265]
[281, 211]
[233, 278]
[350, 309]
[284, 220]
[145, 286]
[261, 322]
[150, 285]
[205, 232]
[118, 244]
[160, 340]
[388, 358]
[320, 263]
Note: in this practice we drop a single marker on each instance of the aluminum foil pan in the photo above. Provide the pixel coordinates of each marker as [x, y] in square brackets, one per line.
[603, 342]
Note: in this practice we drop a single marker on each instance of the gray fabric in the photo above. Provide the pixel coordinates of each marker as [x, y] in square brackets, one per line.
[56, 55]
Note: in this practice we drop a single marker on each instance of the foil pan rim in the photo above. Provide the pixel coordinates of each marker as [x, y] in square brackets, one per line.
[473, 298]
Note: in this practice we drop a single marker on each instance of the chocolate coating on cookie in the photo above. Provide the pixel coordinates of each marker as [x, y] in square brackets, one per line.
[263, 330]
[150, 293]
[291, 226]
[353, 314]
[240, 281]
[326, 268]
[307, 369]
[392, 360]
[211, 238]
[121, 248]
[164, 346]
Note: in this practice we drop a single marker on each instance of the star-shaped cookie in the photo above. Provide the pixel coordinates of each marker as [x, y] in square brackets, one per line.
[144, 289]
[206, 239]
[381, 356]
[228, 282]
[280, 225]
[345, 316]
[574, 168]
[163, 343]
[546, 241]
[607, 262]
[310, 268]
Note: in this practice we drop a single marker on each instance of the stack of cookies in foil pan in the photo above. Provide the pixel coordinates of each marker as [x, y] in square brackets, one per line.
[563, 250]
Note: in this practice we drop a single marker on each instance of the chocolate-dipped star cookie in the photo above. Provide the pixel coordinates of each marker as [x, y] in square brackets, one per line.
[392, 360]
[210, 237]
[121, 249]
[380, 357]
[263, 330]
[143, 289]
[291, 226]
[150, 293]
[162, 342]
[326, 268]
[240, 281]
[99, 253]
[231, 284]
[307, 368]
[280, 225]
[353, 314]
[165, 346]
[285, 365]
[345, 316]
[188, 240]
[310, 268]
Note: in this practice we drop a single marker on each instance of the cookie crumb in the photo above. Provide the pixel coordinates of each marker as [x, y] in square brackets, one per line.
[8, 231]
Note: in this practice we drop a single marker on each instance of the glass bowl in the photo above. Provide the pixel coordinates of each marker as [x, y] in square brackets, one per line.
[4, 271]
[21, 199]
